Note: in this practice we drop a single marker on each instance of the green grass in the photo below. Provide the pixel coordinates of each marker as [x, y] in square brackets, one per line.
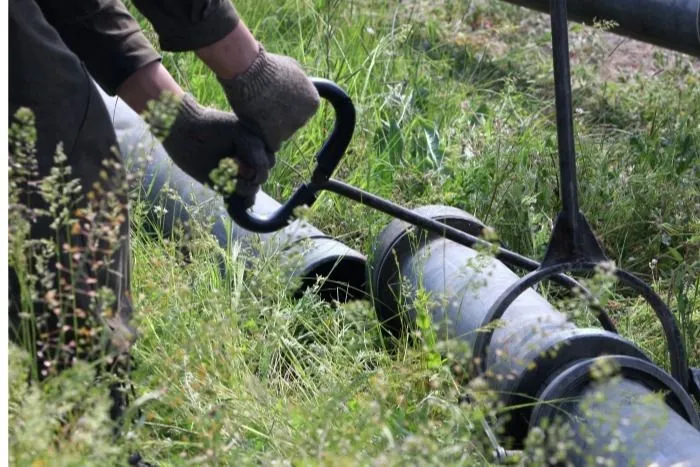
[455, 106]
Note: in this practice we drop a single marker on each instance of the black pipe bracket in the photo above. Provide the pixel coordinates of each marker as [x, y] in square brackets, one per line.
[674, 338]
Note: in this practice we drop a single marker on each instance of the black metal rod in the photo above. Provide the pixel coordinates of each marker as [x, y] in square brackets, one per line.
[565, 121]
[431, 225]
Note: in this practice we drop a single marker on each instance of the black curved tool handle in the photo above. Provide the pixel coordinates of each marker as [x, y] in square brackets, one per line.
[327, 160]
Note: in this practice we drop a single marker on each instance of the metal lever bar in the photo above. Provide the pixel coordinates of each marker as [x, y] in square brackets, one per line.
[327, 160]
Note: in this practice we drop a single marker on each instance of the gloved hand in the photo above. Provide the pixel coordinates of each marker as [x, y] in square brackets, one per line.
[274, 97]
[201, 137]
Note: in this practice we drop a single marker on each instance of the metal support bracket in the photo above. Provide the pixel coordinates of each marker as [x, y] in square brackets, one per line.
[567, 246]
[573, 246]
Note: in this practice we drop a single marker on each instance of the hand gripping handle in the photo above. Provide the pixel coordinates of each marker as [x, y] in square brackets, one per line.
[327, 160]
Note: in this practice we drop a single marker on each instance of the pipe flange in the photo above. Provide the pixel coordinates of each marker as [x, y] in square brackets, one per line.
[397, 239]
[558, 350]
[574, 380]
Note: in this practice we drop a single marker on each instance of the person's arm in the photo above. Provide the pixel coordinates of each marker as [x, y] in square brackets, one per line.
[122, 60]
[188, 25]
[148, 83]
[270, 93]
[228, 57]
[233, 54]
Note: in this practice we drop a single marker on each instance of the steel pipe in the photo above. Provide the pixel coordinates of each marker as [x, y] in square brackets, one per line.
[673, 24]
[175, 199]
[534, 341]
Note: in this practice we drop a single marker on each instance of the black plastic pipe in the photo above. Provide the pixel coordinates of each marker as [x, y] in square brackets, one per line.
[175, 200]
[618, 419]
[534, 342]
[673, 24]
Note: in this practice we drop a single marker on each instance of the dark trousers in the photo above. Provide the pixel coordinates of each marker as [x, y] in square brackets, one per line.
[69, 317]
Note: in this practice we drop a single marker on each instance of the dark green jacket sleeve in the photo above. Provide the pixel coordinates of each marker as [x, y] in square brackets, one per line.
[110, 42]
[103, 35]
[184, 25]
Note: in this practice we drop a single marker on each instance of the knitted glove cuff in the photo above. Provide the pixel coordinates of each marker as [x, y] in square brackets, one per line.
[262, 73]
[189, 110]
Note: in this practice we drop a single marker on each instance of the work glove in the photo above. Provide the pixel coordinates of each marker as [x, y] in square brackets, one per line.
[201, 137]
[274, 97]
